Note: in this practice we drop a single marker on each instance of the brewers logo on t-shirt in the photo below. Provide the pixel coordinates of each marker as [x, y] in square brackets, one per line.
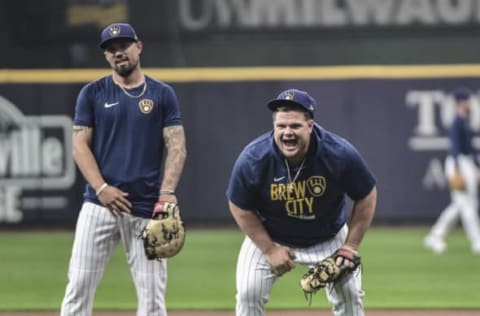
[146, 105]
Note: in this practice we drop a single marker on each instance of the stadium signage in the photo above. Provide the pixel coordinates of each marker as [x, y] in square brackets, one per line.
[198, 15]
[35, 154]
[435, 110]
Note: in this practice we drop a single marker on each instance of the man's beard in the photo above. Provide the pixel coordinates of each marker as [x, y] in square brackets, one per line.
[125, 71]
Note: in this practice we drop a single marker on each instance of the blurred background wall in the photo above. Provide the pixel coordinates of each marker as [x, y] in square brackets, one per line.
[191, 33]
[381, 71]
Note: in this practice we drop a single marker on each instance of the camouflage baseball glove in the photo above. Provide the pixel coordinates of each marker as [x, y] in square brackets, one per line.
[457, 182]
[164, 235]
[327, 271]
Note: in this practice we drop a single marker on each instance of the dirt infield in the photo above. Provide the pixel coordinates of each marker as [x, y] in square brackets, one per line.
[271, 313]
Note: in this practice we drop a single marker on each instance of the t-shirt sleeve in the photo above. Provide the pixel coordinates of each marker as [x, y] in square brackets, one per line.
[240, 189]
[455, 135]
[171, 109]
[357, 178]
[84, 115]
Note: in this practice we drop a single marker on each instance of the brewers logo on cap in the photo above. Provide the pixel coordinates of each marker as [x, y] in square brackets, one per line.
[145, 105]
[114, 30]
[289, 95]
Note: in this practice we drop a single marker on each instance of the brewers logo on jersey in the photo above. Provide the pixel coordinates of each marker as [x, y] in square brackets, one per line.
[145, 105]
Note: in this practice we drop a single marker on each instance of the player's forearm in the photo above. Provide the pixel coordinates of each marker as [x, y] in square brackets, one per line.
[83, 155]
[88, 166]
[361, 218]
[250, 224]
[175, 158]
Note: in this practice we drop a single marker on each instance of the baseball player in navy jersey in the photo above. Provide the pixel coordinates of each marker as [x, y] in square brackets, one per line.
[287, 193]
[462, 160]
[124, 124]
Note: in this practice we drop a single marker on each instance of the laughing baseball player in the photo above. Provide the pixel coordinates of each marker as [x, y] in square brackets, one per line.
[287, 193]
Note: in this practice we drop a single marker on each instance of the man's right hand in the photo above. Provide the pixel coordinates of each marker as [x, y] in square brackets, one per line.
[280, 259]
[115, 200]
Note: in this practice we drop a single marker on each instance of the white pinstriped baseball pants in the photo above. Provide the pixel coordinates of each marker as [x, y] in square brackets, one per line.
[255, 279]
[464, 204]
[97, 234]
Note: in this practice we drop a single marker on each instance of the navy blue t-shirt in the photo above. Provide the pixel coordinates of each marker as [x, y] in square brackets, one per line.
[461, 139]
[315, 209]
[128, 136]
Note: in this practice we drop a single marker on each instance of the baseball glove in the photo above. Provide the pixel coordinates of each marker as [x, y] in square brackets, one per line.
[456, 182]
[327, 271]
[164, 235]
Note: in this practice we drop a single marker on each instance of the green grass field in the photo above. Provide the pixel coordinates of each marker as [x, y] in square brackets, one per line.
[398, 273]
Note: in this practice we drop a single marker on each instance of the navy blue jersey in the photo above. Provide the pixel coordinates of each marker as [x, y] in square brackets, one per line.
[315, 209]
[128, 136]
[461, 139]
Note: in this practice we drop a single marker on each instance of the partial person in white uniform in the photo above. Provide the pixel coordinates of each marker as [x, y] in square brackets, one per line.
[462, 159]
[124, 124]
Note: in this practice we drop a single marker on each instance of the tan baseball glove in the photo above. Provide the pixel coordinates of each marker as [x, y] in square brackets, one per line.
[164, 235]
[327, 271]
[456, 182]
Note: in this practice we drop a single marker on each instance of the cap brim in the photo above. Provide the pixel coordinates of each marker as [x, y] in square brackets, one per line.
[104, 44]
[274, 104]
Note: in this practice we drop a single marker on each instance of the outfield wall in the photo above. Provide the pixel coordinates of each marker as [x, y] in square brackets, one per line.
[396, 116]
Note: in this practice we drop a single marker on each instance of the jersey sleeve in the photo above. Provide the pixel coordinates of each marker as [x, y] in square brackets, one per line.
[460, 137]
[357, 178]
[84, 115]
[240, 189]
[171, 109]
[455, 136]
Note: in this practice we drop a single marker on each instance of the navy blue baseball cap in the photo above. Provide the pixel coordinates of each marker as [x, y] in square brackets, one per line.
[461, 93]
[294, 97]
[117, 30]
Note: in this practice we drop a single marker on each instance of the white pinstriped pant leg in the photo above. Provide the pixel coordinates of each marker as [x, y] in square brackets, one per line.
[96, 236]
[149, 276]
[469, 201]
[447, 219]
[464, 204]
[346, 296]
[254, 280]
